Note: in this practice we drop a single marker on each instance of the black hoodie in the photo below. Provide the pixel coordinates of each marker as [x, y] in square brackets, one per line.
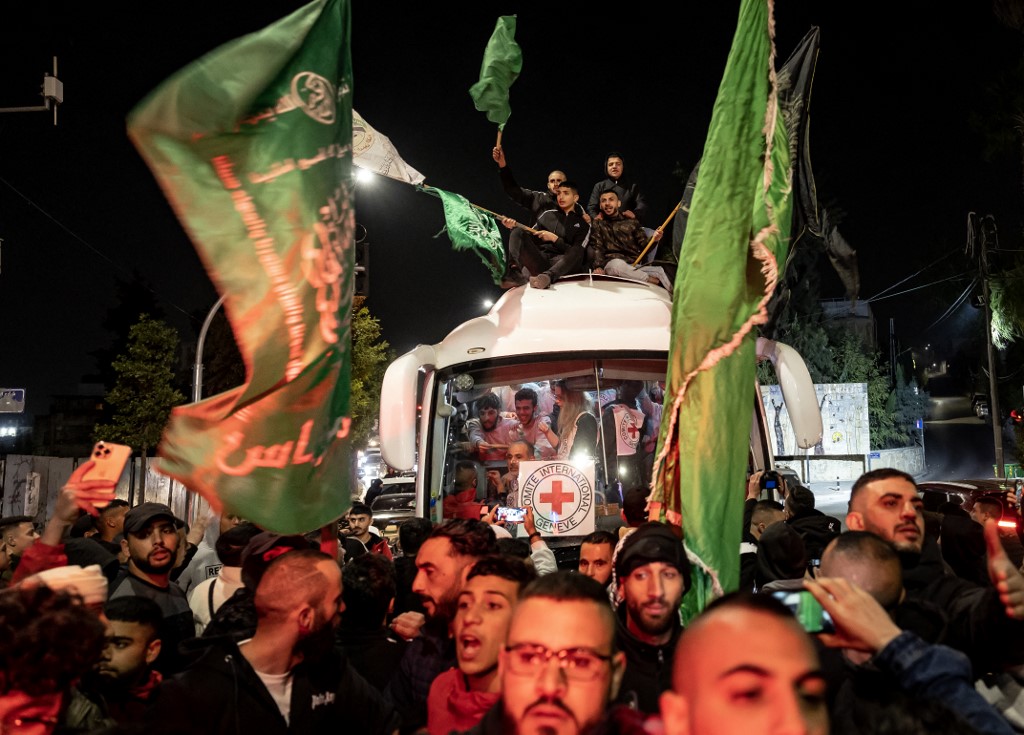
[648, 668]
[221, 694]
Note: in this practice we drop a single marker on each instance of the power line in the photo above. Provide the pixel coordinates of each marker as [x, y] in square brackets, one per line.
[934, 262]
[955, 305]
[958, 276]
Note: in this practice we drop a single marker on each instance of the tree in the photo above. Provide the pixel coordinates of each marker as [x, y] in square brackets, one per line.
[370, 357]
[144, 392]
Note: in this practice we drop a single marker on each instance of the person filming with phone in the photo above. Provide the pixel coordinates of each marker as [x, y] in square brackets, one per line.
[889, 679]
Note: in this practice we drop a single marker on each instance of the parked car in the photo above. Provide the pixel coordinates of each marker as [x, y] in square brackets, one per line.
[400, 484]
[940, 495]
[391, 510]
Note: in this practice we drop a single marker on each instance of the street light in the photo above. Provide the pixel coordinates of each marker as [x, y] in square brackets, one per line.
[197, 382]
[197, 368]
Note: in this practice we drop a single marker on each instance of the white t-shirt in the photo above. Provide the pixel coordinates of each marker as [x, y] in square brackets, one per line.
[280, 688]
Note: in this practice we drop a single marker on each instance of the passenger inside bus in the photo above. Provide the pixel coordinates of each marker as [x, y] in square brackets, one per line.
[576, 433]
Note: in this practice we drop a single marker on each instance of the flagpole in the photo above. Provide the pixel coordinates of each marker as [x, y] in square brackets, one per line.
[490, 212]
[660, 229]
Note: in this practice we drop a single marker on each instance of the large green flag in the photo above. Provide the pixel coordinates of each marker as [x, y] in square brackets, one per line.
[471, 229]
[735, 245]
[503, 60]
[252, 145]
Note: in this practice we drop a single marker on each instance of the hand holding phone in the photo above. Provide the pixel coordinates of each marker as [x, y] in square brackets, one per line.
[807, 610]
[94, 481]
[511, 515]
[860, 623]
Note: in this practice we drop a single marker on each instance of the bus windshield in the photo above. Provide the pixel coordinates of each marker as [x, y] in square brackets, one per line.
[601, 414]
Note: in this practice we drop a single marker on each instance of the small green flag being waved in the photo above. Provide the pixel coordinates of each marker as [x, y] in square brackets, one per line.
[252, 145]
[503, 60]
[471, 229]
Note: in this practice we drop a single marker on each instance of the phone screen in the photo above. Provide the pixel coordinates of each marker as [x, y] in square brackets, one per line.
[511, 515]
[807, 610]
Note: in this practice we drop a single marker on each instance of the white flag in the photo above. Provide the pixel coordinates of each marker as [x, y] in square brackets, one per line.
[374, 152]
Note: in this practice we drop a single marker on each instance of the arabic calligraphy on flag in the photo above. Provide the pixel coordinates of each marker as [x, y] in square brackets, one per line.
[470, 229]
[374, 152]
[252, 147]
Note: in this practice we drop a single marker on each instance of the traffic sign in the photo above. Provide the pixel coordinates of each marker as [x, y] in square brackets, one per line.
[12, 400]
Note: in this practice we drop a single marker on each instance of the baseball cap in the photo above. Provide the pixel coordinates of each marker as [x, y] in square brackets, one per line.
[137, 518]
[262, 549]
[652, 542]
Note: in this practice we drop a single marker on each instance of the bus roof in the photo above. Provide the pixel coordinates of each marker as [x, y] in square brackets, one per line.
[577, 313]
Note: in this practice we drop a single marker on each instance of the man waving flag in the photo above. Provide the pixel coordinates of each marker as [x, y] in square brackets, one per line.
[252, 145]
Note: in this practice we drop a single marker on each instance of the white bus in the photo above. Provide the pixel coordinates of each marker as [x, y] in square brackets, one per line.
[590, 333]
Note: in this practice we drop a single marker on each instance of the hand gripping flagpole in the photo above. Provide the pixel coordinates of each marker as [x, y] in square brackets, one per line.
[660, 229]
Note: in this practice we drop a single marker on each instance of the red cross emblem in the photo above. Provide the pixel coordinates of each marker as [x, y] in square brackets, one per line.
[556, 497]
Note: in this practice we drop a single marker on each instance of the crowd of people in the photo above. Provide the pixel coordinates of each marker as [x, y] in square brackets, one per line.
[463, 628]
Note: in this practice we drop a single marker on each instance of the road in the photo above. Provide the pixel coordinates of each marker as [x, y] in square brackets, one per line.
[958, 445]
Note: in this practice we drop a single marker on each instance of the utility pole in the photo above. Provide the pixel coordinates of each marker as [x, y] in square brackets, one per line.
[987, 228]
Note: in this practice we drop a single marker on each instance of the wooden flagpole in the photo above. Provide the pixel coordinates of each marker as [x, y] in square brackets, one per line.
[661, 230]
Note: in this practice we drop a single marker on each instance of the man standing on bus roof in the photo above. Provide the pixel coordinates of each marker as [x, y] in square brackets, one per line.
[559, 248]
[633, 204]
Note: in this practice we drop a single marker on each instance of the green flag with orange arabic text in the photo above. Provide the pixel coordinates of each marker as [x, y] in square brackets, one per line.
[734, 250]
[252, 145]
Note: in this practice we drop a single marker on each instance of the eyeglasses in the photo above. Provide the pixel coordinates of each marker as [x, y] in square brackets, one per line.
[579, 664]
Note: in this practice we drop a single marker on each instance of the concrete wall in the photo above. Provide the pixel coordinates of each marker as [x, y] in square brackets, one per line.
[844, 418]
[908, 459]
[23, 494]
[844, 452]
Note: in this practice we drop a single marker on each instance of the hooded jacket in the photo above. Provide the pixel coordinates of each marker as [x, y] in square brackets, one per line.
[977, 621]
[648, 667]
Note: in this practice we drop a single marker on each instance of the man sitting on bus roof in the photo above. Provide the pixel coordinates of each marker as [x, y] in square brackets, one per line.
[534, 201]
[559, 248]
[617, 241]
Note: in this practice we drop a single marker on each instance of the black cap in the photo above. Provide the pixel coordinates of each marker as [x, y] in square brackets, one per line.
[652, 542]
[262, 549]
[136, 519]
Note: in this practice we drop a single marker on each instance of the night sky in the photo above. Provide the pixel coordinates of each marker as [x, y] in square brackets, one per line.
[891, 144]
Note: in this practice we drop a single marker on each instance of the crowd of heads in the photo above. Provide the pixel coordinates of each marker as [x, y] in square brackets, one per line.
[530, 649]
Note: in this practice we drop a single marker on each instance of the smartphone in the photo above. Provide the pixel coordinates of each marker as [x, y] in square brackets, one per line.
[808, 611]
[770, 480]
[510, 515]
[110, 460]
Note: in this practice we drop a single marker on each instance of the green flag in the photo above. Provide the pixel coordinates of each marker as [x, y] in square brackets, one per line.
[503, 60]
[470, 229]
[252, 145]
[735, 245]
